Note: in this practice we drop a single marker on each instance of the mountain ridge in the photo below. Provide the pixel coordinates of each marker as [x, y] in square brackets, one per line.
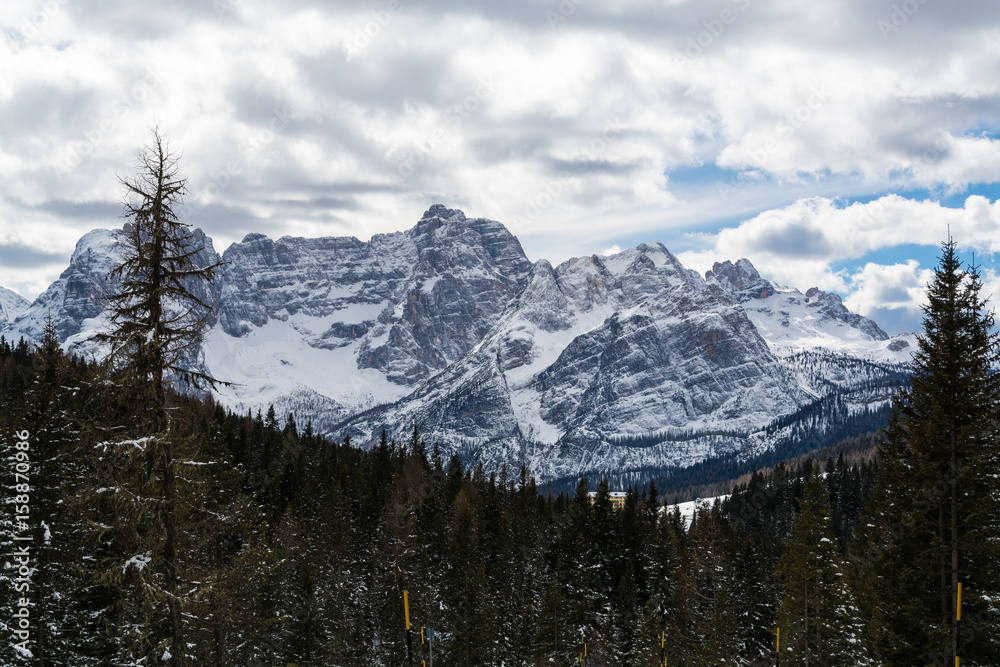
[450, 326]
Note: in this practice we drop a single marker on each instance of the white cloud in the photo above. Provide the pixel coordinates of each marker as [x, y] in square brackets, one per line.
[890, 287]
[613, 250]
[802, 99]
[806, 243]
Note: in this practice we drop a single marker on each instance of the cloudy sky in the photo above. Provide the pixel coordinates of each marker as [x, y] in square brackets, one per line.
[830, 142]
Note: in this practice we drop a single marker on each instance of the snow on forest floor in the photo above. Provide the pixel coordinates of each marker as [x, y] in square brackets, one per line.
[688, 509]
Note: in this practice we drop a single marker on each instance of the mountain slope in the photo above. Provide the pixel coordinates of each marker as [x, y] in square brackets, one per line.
[599, 350]
[75, 301]
[332, 326]
[613, 365]
[794, 322]
[12, 304]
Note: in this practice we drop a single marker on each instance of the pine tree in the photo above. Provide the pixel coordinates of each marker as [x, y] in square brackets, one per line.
[53, 405]
[817, 616]
[715, 615]
[934, 520]
[155, 320]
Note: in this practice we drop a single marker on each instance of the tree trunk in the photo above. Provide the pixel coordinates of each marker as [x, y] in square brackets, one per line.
[954, 531]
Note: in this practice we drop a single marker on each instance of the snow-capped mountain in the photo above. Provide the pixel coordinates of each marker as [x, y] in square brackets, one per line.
[75, 301]
[76, 296]
[12, 304]
[826, 346]
[333, 326]
[596, 350]
[601, 364]
[794, 322]
[605, 365]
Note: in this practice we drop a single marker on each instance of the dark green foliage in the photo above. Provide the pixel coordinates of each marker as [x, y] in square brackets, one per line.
[292, 548]
[820, 623]
[933, 522]
[313, 574]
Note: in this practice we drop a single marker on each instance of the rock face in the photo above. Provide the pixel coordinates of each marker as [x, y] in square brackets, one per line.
[76, 300]
[793, 322]
[76, 296]
[334, 326]
[740, 280]
[599, 350]
[600, 365]
[411, 302]
[12, 304]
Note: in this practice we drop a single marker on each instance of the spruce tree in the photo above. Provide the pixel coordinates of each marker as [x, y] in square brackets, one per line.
[53, 405]
[156, 319]
[817, 615]
[934, 523]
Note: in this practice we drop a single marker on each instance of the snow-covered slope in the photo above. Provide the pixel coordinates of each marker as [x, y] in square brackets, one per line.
[594, 353]
[12, 304]
[793, 322]
[329, 327]
[618, 364]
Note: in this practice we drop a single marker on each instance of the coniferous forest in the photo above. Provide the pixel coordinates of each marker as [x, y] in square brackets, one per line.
[295, 549]
[145, 525]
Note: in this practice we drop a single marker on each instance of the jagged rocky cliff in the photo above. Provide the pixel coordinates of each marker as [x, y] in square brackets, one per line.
[619, 363]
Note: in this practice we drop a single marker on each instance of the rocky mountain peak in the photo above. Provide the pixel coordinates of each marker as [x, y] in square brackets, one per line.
[12, 304]
[740, 280]
[81, 291]
[442, 212]
[448, 325]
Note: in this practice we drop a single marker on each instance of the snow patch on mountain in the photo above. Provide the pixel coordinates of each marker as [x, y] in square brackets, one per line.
[602, 365]
[12, 304]
[276, 361]
[596, 351]
[792, 322]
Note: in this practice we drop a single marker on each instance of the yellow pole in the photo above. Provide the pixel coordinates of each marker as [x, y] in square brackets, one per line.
[409, 645]
[958, 619]
[958, 610]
